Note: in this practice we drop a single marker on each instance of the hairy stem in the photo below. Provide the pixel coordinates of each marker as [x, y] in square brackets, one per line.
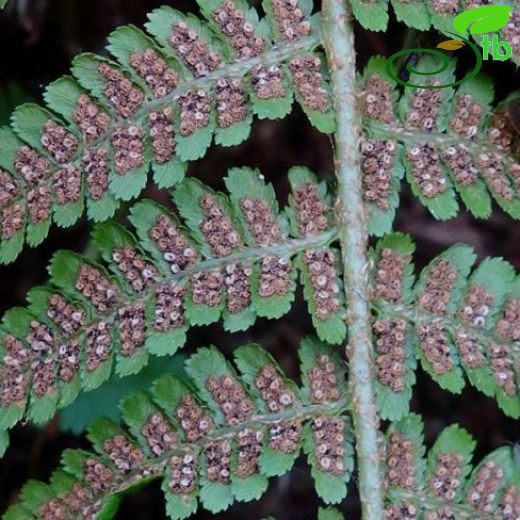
[353, 234]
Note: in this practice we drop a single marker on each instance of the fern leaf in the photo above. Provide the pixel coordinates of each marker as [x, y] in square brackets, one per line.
[449, 145]
[230, 261]
[446, 484]
[451, 320]
[210, 438]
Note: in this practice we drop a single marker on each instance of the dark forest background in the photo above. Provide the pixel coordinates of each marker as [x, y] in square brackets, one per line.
[38, 38]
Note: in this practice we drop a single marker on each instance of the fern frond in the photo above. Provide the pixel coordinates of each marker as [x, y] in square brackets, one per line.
[447, 141]
[445, 484]
[236, 259]
[158, 105]
[451, 320]
[213, 438]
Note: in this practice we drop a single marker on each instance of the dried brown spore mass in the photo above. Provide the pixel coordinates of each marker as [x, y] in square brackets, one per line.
[514, 174]
[508, 326]
[323, 274]
[40, 339]
[160, 78]
[435, 347]
[509, 506]
[137, 271]
[461, 164]
[195, 111]
[249, 449]
[194, 420]
[501, 131]
[218, 461]
[174, 246]
[390, 350]
[95, 165]
[59, 142]
[426, 169]
[401, 471]
[470, 353]
[261, 220]
[123, 453]
[238, 286]
[98, 345]
[284, 436]
[275, 276]
[43, 376]
[308, 82]
[267, 82]
[477, 305]
[311, 211]
[14, 387]
[402, 511]
[466, 117]
[69, 358]
[92, 121]
[98, 476]
[481, 493]
[12, 220]
[493, 171]
[128, 145]
[388, 278]
[53, 510]
[232, 106]
[9, 188]
[183, 474]
[207, 288]
[120, 91]
[290, 19]
[502, 367]
[424, 109]
[232, 22]
[66, 184]
[162, 136]
[273, 389]
[231, 398]
[445, 6]
[67, 316]
[159, 435]
[323, 381]
[14, 381]
[193, 50]
[377, 102]
[511, 32]
[217, 228]
[39, 204]
[77, 498]
[446, 477]
[328, 434]
[94, 285]
[436, 294]
[377, 162]
[169, 308]
[30, 165]
[443, 513]
[132, 328]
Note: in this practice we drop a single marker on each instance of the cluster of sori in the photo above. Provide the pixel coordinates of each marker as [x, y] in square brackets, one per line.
[9, 191]
[311, 210]
[231, 102]
[91, 120]
[401, 511]
[290, 19]
[161, 134]
[511, 32]
[509, 506]
[193, 419]
[501, 131]
[249, 448]
[474, 310]
[445, 6]
[502, 367]
[322, 270]
[169, 308]
[207, 288]
[508, 326]
[16, 361]
[183, 474]
[329, 444]
[94, 285]
[284, 436]
[481, 494]
[323, 380]
[390, 352]
[195, 111]
[424, 110]
[238, 285]
[123, 453]
[61, 144]
[388, 276]
[378, 99]
[99, 345]
[446, 475]
[66, 184]
[427, 170]
[41, 341]
[128, 145]
[231, 398]
[493, 171]
[158, 434]
[95, 164]
[132, 327]
[378, 158]
[218, 459]
[137, 271]
[400, 460]
[122, 94]
[308, 81]
[175, 247]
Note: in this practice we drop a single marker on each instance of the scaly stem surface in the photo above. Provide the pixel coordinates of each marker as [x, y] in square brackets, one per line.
[353, 234]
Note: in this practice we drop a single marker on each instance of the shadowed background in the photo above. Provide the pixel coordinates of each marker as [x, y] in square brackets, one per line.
[38, 38]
